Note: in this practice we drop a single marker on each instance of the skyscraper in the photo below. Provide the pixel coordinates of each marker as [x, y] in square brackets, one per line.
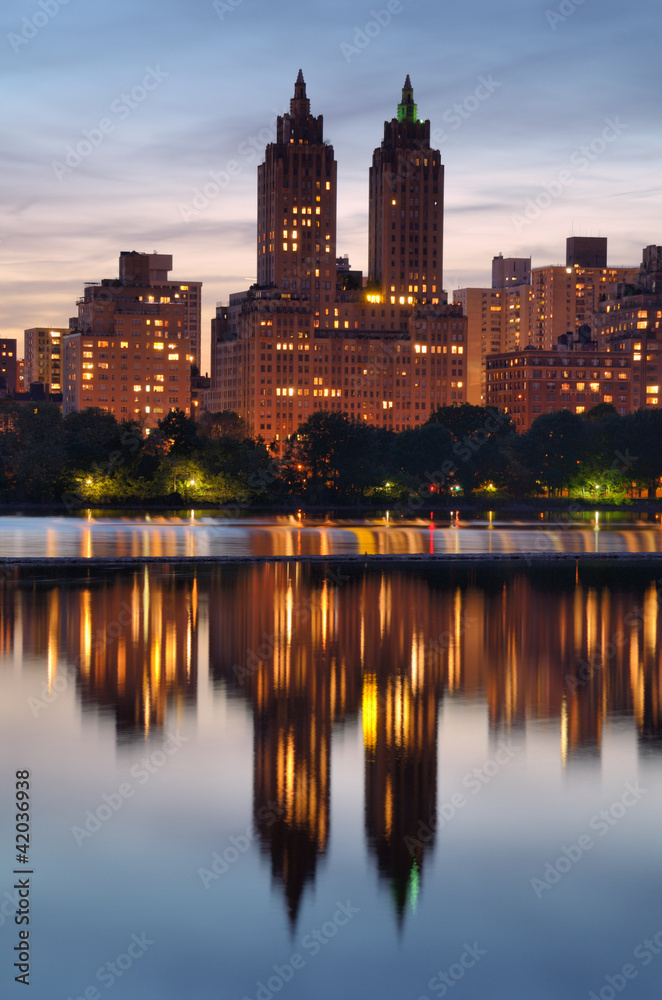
[406, 209]
[296, 207]
[302, 340]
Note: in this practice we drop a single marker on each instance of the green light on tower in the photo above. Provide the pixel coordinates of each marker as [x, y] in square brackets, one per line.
[407, 110]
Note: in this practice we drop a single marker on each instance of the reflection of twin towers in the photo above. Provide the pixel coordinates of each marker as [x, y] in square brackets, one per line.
[311, 652]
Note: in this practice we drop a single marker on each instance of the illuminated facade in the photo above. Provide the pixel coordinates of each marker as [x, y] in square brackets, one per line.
[565, 298]
[8, 366]
[296, 207]
[526, 384]
[406, 209]
[129, 353]
[43, 357]
[534, 307]
[303, 339]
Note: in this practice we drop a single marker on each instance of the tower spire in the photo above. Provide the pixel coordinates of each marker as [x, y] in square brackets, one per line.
[407, 110]
[300, 105]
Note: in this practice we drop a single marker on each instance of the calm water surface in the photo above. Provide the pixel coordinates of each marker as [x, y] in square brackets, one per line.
[322, 782]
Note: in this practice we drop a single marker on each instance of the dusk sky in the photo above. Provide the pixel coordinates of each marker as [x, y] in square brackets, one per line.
[534, 82]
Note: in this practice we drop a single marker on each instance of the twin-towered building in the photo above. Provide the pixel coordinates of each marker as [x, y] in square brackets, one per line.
[312, 335]
[386, 348]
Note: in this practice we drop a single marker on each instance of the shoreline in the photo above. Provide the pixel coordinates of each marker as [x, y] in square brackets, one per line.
[544, 505]
[528, 558]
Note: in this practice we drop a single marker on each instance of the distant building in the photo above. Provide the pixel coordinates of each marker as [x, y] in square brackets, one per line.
[507, 272]
[8, 366]
[528, 383]
[199, 387]
[43, 357]
[650, 274]
[564, 298]
[149, 271]
[485, 313]
[130, 350]
[586, 251]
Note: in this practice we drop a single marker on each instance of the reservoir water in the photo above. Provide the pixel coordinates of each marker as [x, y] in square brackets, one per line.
[319, 781]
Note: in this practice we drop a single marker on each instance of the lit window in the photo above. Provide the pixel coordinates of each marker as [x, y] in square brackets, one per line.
[579, 409]
[173, 357]
[137, 388]
[595, 387]
[158, 347]
[652, 389]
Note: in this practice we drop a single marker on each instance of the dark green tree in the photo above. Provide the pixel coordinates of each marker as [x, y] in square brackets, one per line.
[552, 450]
[178, 432]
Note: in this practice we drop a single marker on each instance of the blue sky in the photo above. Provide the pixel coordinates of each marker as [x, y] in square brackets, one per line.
[204, 80]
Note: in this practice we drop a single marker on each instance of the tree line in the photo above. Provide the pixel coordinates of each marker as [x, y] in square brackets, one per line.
[462, 450]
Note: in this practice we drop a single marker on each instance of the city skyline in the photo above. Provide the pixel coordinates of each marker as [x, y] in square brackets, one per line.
[536, 86]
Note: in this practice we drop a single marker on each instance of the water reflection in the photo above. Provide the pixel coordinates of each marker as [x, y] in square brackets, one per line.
[201, 535]
[314, 649]
[131, 640]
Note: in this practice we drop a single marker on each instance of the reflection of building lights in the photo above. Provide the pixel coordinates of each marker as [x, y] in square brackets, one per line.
[369, 712]
[414, 885]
